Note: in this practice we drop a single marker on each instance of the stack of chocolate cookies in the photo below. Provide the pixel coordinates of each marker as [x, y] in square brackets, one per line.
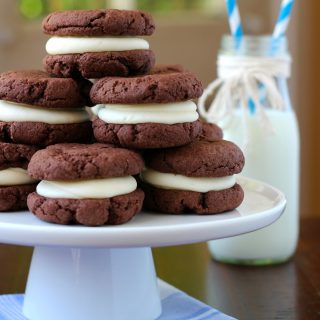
[189, 168]
[36, 110]
[181, 164]
[39, 109]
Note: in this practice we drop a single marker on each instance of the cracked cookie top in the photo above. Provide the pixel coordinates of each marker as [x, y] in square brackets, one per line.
[162, 85]
[80, 161]
[99, 22]
[198, 159]
[38, 88]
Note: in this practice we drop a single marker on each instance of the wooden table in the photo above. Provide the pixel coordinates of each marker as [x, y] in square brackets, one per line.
[288, 291]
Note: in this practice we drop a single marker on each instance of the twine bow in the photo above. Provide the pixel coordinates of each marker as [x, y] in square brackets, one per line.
[241, 79]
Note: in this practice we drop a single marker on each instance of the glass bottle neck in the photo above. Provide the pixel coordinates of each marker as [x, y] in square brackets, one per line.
[254, 46]
[261, 54]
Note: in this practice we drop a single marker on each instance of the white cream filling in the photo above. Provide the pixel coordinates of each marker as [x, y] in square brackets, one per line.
[70, 45]
[87, 189]
[14, 177]
[179, 182]
[10, 111]
[95, 109]
[165, 113]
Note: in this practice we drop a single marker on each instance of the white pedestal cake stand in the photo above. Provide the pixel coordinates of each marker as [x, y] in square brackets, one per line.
[107, 273]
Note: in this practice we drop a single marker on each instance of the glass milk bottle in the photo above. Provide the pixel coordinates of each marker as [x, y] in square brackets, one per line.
[272, 154]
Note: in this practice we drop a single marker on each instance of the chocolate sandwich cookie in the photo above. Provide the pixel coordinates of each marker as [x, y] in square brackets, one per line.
[37, 109]
[151, 111]
[197, 178]
[15, 183]
[86, 184]
[98, 43]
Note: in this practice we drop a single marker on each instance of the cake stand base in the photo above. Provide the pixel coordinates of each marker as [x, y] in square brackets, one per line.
[107, 273]
[100, 284]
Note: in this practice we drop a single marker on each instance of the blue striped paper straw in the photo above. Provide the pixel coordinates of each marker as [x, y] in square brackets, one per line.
[234, 19]
[283, 19]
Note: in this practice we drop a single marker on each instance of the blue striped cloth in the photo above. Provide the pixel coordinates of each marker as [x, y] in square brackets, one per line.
[176, 305]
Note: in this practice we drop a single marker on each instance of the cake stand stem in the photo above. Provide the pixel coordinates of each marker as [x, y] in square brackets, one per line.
[100, 284]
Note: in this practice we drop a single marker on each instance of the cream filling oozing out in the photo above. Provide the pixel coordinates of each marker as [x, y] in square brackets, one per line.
[70, 45]
[11, 112]
[179, 182]
[15, 177]
[87, 189]
[165, 113]
[95, 109]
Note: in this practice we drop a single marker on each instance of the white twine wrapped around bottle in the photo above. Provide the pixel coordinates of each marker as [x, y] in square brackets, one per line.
[239, 80]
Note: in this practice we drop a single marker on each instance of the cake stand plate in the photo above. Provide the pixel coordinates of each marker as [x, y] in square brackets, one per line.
[107, 273]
